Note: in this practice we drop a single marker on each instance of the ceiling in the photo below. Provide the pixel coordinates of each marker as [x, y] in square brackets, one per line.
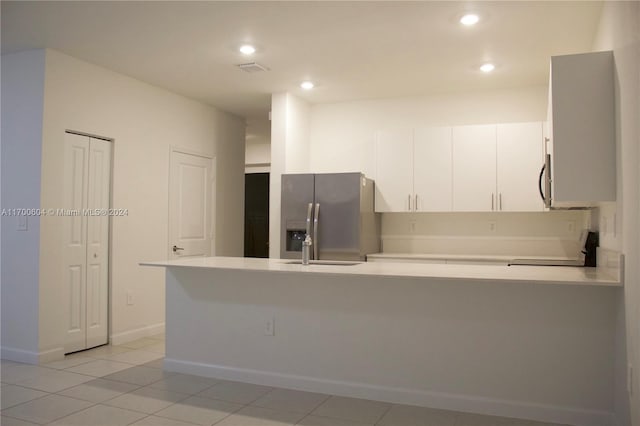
[352, 50]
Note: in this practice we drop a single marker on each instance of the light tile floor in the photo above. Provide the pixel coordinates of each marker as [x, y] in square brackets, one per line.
[125, 385]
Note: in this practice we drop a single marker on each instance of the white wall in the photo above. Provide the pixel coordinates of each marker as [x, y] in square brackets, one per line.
[257, 157]
[144, 121]
[554, 233]
[22, 106]
[538, 351]
[257, 153]
[297, 140]
[619, 30]
[290, 128]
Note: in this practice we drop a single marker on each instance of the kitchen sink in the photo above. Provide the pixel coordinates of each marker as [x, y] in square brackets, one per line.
[323, 262]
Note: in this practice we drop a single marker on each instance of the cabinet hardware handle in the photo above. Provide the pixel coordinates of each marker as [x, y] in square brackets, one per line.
[500, 201]
[416, 204]
[492, 202]
[176, 248]
[409, 201]
[309, 212]
[316, 248]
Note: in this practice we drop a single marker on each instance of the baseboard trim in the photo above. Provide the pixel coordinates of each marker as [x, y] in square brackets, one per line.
[56, 354]
[31, 357]
[138, 333]
[19, 355]
[466, 403]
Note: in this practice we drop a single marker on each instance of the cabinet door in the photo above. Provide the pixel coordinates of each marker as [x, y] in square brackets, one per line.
[583, 158]
[474, 168]
[394, 171]
[520, 157]
[432, 169]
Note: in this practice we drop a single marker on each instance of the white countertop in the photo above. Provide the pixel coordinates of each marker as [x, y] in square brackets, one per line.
[473, 257]
[479, 273]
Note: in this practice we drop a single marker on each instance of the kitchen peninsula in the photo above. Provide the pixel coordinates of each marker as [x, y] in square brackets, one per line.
[521, 341]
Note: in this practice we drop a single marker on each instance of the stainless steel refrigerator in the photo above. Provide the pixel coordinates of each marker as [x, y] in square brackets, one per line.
[335, 209]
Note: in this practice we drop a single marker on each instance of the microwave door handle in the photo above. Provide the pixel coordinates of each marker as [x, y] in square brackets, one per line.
[316, 250]
[540, 183]
[547, 180]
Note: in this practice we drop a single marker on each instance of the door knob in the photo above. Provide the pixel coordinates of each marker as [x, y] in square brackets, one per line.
[176, 248]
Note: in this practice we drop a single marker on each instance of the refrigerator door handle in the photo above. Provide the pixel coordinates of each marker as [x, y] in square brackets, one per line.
[309, 208]
[316, 248]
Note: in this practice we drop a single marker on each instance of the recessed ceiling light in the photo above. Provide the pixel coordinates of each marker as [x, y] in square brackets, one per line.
[247, 49]
[469, 19]
[488, 67]
[307, 85]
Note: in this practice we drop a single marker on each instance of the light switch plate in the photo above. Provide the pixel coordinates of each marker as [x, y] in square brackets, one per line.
[22, 223]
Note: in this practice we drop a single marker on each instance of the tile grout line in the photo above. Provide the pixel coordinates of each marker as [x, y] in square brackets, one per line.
[391, 405]
[310, 413]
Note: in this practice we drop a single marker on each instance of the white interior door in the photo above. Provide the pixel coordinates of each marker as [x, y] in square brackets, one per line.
[87, 179]
[190, 205]
[98, 199]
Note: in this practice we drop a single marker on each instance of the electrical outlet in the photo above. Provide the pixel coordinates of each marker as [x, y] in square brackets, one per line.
[630, 379]
[129, 298]
[571, 226]
[270, 327]
[492, 226]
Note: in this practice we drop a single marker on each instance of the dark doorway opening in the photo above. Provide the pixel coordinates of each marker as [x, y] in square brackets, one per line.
[256, 215]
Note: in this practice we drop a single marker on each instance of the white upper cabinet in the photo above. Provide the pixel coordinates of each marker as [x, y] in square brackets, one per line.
[464, 168]
[394, 171]
[413, 170]
[474, 168]
[432, 170]
[519, 159]
[582, 129]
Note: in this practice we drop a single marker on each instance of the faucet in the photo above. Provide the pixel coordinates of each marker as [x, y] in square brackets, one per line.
[306, 249]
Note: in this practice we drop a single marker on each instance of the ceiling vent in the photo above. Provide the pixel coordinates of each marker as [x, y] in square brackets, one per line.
[252, 67]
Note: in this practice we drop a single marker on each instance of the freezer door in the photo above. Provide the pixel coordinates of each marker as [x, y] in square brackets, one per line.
[337, 198]
[296, 195]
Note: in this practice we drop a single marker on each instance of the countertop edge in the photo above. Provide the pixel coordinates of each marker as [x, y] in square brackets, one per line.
[603, 280]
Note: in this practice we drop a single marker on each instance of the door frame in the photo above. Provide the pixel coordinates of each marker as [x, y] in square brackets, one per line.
[110, 236]
[212, 158]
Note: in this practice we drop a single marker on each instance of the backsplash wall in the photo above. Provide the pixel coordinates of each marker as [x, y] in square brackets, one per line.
[553, 233]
